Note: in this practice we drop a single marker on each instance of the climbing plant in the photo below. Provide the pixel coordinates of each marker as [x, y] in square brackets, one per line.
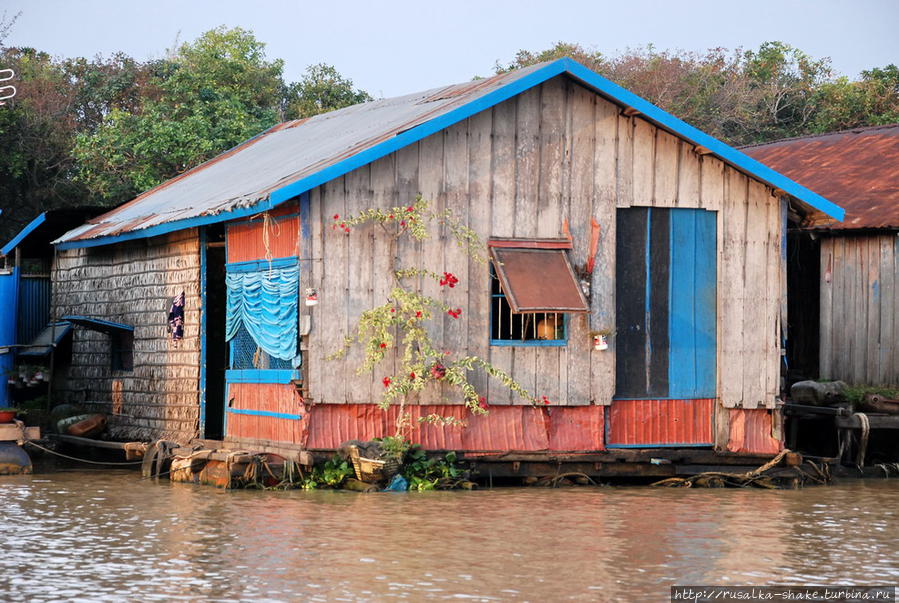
[400, 324]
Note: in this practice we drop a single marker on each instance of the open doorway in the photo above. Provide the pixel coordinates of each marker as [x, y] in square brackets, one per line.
[216, 348]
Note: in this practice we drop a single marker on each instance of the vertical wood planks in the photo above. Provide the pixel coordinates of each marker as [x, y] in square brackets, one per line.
[825, 342]
[730, 290]
[581, 202]
[643, 167]
[384, 196]
[887, 352]
[606, 166]
[757, 329]
[553, 128]
[665, 182]
[456, 174]
[527, 183]
[480, 203]
[333, 323]
[315, 357]
[688, 182]
[432, 163]
[625, 167]
[503, 217]
[360, 244]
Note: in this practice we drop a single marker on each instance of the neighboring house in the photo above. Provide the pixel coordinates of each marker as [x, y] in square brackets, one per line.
[845, 284]
[689, 275]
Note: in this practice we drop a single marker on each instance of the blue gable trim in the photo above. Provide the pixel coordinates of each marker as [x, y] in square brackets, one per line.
[23, 233]
[587, 77]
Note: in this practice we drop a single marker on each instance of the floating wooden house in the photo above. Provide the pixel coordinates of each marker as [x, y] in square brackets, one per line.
[686, 237]
[844, 275]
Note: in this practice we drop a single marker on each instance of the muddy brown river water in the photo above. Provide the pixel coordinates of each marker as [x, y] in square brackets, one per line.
[110, 536]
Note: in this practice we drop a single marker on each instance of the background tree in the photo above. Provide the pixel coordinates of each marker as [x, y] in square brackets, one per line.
[322, 89]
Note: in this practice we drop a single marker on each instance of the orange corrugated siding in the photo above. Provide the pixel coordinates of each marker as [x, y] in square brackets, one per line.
[752, 431]
[661, 422]
[246, 241]
[271, 397]
[503, 429]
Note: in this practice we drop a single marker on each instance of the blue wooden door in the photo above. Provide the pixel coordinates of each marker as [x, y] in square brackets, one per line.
[666, 303]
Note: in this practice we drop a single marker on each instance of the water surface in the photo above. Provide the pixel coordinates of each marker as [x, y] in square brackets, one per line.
[108, 535]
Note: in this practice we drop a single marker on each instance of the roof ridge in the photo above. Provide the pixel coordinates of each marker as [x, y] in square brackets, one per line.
[856, 130]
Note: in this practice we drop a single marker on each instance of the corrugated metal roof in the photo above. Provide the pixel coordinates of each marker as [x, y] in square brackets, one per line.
[294, 157]
[857, 169]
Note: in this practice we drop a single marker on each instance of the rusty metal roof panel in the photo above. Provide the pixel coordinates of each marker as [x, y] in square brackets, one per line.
[856, 169]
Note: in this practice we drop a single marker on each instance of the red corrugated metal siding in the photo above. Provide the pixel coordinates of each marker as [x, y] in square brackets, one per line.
[246, 241]
[661, 422]
[503, 429]
[271, 397]
[752, 431]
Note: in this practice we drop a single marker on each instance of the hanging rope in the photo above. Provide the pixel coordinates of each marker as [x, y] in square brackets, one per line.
[863, 442]
[72, 458]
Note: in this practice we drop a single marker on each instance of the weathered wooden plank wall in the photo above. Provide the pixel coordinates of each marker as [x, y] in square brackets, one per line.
[859, 309]
[131, 283]
[554, 154]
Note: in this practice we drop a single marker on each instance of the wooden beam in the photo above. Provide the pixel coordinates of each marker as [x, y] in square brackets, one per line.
[629, 112]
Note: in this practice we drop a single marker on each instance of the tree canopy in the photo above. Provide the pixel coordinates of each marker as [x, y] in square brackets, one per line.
[742, 96]
[100, 131]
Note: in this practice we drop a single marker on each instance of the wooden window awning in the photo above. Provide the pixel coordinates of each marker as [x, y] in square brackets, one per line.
[536, 276]
[98, 324]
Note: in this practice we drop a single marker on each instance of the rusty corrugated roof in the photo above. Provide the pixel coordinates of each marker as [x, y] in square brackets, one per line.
[856, 169]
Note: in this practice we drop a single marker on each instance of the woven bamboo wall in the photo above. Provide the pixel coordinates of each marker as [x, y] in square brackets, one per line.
[131, 283]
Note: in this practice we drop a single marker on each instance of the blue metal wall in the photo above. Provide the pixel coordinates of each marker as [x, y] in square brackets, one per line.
[34, 307]
[8, 298]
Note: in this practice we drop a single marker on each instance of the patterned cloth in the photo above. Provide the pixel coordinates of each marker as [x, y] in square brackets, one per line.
[176, 318]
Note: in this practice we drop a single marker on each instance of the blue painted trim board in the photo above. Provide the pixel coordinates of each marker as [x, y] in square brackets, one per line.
[587, 77]
[256, 265]
[203, 312]
[282, 376]
[264, 413]
[29, 228]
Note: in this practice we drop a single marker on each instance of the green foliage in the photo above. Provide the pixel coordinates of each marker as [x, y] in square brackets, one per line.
[399, 326]
[742, 97]
[212, 94]
[322, 89]
[856, 393]
[331, 474]
[428, 473]
[394, 447]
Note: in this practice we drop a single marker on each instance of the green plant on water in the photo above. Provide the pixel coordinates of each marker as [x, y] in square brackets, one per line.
[429, 473]
[856, 393]
[330, 474]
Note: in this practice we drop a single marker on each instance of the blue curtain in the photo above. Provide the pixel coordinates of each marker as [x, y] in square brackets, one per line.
[266, 302]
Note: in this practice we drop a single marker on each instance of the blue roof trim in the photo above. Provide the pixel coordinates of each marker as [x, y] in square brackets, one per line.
[98, 324]
[565, 65]
[682, 128]
[23, 233]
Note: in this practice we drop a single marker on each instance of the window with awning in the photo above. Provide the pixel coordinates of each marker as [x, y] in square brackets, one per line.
[534, 288]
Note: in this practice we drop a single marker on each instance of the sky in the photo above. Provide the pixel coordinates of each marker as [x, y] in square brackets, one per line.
[390, 48]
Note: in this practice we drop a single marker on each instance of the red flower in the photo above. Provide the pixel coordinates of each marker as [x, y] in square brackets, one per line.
[336, 216]
[412, 376]
[449, 279]
[410, 209]
[386, 381]
[402, 222]
[343, 224]
[418, 314]
[455, 313]
[390, 217]
[482, 402]
[545, 400]
[383, 345]
[392, 310]
[438, 371]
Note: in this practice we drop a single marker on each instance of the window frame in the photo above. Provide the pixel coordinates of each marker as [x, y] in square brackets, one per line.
[563, 246]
